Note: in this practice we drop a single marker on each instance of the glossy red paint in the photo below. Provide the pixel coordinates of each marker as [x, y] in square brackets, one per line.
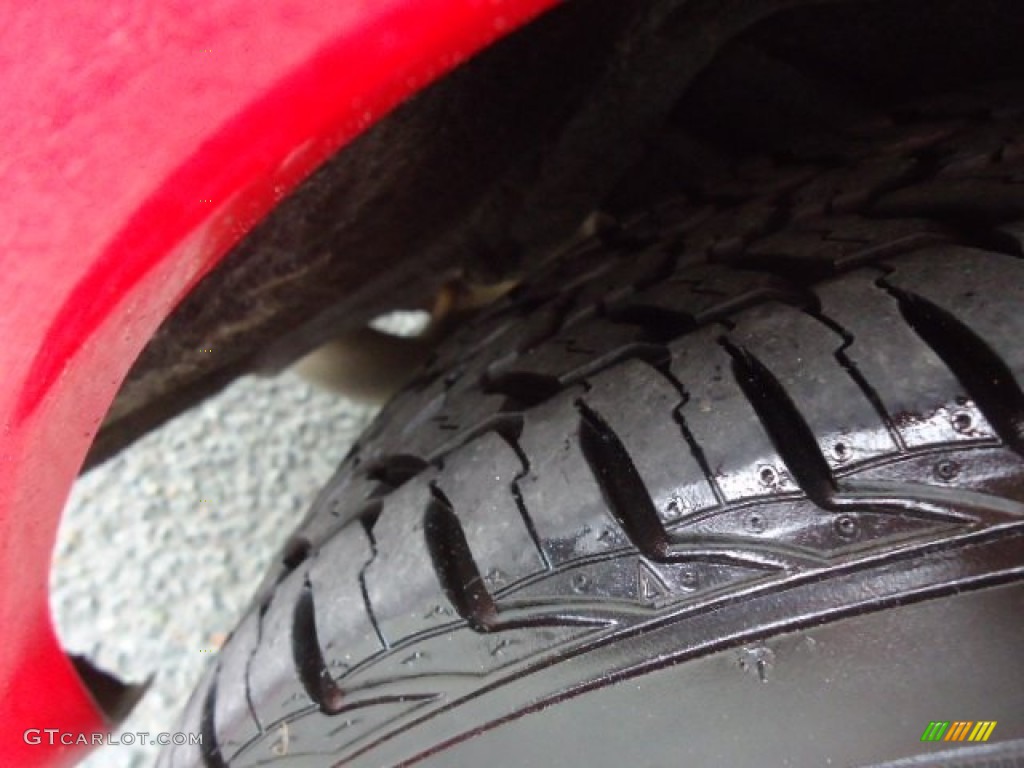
[141, 141]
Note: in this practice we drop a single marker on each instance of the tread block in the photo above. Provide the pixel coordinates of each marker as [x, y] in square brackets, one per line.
[990, 147]
[638, 403]
[828, 245]
[567, 270]
[570, 352]
[976, 303]
[234, 722]
[504, 319]
[274, 686]
[705, 293]
[842, 190]
[923, 399]
[727, 232]
[887, 139]
[801, 353]
[740, 456]
[338, 503]
[402, 584]
[760, 178]
[986, 292]
[559, 491]
[637, 270]
[439, 425]
[191, 755]
[1012, 237]
[990, 194]
[417, 412]
[343, 625]
[678, 216]
[478, 482]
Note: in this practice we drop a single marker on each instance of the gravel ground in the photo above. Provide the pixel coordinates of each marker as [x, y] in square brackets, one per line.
[161, 548]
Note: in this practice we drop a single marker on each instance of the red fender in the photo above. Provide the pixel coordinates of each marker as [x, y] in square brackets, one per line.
[141, 141]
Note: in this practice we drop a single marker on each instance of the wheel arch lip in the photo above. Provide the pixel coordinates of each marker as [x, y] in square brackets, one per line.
[148, 139]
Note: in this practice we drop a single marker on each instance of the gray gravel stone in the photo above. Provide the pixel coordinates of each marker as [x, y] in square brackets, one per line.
[161, 548]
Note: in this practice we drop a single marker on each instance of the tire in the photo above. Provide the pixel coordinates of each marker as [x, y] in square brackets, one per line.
[737, 482]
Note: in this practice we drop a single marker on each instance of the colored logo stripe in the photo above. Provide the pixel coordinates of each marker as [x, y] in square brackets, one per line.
[982, 730]
[958, 730]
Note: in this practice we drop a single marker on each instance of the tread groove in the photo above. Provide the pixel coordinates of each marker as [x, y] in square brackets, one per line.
[621, 485]
[395, 470]
[658, 325]
[367, 518]
[788, 431]
[295, 552]
[646, 352]
[209, 750]
[984, 374]
[248, 671]
[553, 322]
[309, 659]
[454, 564]
[517, 495]
[524, 388]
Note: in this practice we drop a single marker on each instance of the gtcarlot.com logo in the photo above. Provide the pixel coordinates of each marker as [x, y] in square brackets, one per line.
[958, 730]
[54, 736]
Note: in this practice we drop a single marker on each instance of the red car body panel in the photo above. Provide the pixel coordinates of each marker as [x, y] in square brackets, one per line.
[141, 141]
